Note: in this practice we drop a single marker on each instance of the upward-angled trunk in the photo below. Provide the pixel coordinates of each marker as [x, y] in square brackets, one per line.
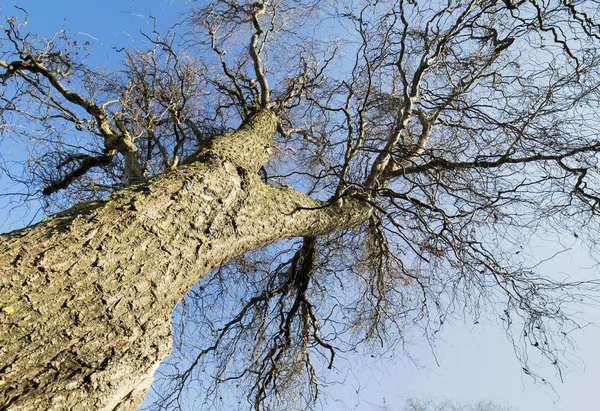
[86, 296]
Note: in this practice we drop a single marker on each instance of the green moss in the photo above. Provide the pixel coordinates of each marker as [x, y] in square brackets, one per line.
[82, 208]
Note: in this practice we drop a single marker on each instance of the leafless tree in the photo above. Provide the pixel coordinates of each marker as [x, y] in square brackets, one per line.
[418, 405]
[320, 175]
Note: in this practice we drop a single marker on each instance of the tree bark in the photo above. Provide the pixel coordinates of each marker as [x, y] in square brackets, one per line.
[86, 296]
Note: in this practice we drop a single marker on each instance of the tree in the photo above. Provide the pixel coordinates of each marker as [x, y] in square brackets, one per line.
[345, 170]
[416, 405]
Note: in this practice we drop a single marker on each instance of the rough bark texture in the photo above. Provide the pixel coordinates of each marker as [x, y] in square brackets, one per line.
[86, 296]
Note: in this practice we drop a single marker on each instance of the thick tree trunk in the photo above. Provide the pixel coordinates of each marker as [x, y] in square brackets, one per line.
[86, 296]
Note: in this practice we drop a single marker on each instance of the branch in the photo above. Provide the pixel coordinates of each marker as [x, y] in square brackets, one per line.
[258, 9]
[443, 164]
[87, 163]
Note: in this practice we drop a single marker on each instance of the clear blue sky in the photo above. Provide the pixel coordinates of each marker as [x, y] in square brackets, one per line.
[475, 361]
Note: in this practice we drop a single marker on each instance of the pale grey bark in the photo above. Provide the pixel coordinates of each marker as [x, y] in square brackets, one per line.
[86, 295]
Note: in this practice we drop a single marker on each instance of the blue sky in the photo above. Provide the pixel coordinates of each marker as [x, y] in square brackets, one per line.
[469, 362]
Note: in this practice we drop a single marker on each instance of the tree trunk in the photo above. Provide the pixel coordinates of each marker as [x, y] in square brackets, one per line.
[86, 296]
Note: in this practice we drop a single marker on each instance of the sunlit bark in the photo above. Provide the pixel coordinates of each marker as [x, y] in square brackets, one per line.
[86, 296]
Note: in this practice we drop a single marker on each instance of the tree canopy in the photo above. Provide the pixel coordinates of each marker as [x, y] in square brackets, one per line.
[464, 129]
[416, 405]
